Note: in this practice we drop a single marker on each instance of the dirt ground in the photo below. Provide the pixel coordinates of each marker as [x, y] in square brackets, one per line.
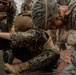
[64, 61]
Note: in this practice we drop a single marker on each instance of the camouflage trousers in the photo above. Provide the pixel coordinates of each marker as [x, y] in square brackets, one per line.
[69, 70]
[8, 57]
[45, 61]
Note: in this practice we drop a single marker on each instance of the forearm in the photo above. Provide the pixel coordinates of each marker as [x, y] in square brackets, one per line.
[5, 36]
[15, 37]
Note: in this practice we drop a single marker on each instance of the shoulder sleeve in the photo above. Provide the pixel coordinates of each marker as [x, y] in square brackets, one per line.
[20, 37]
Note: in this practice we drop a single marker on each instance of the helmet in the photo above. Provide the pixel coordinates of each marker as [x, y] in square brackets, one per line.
[22, 23]
[43, 12]
[5, 1]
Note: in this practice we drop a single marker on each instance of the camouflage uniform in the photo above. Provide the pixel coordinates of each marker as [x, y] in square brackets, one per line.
[7, 15]
[42, 19]
[33, 40]
[63, 2]
[38, 44]
[25, 4]
[71, 37]
[70, 16]
[69, 20]
[71, 68]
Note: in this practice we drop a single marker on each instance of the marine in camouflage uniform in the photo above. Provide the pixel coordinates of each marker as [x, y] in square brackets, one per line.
[22, 23]
[27, 4]
[69, 18]
[70, 38]
[69, 21]
[39, 45]
[41, 22]
[7, 14]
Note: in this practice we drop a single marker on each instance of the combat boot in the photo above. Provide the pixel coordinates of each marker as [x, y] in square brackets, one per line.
[18, 68]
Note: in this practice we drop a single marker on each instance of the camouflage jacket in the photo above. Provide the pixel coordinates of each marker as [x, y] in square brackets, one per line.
[27, 6]
[33, 40]
[23, 6]
[7, 16]
[71, 40]
[70, 18]
[63, 2]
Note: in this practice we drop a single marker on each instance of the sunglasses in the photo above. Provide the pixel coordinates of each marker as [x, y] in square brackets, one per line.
[3, 3]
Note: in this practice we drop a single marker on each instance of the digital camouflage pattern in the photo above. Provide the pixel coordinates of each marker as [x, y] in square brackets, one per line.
[71, 40]
[47, 60]
[11, 12]
[7, 15]
[43, 12]
[27, 5]
[31, 46]
[33, 41]
[73, 56]
[69, 20]
[63, 2]
[23, 6]
[71, 68]
[71, 37]
[29, 37]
